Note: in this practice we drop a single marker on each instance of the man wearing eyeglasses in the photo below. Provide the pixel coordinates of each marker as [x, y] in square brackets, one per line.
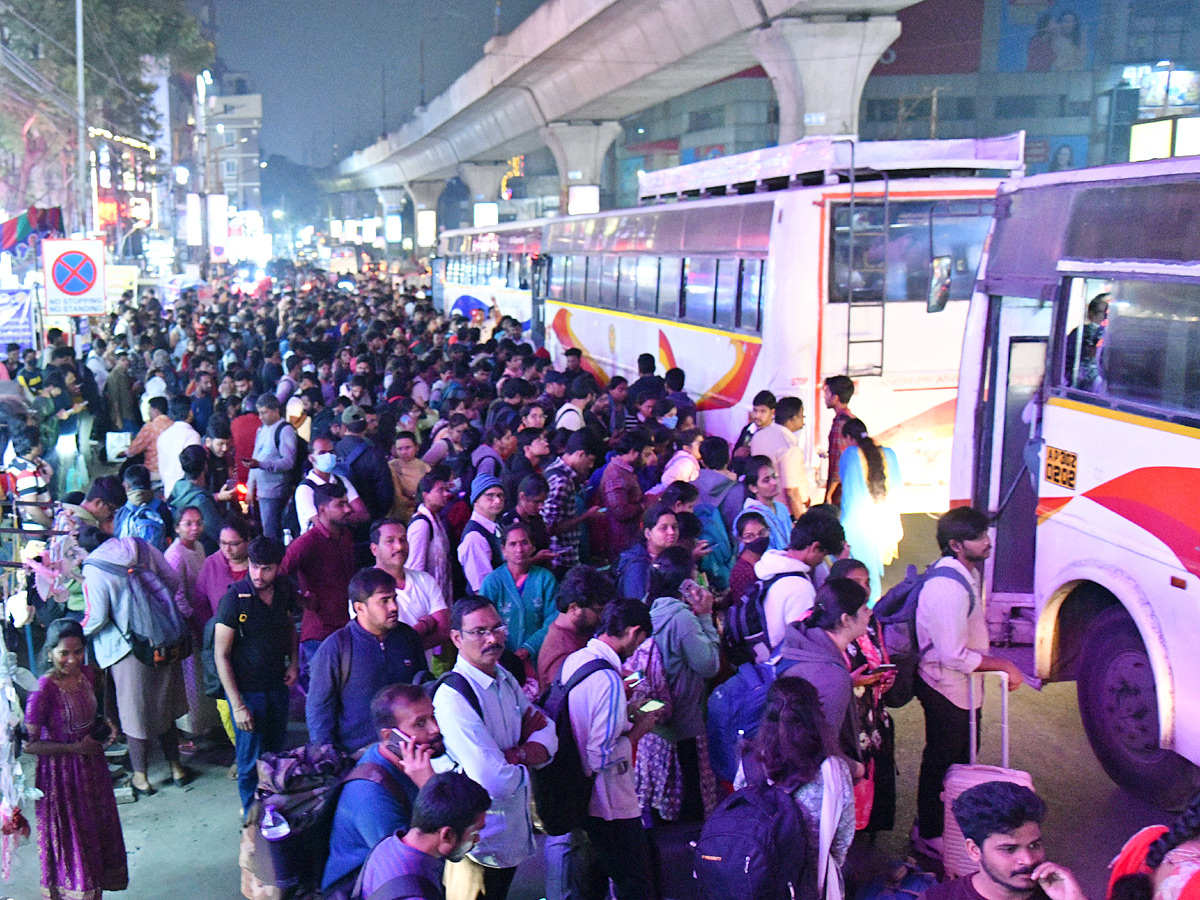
[495, 736]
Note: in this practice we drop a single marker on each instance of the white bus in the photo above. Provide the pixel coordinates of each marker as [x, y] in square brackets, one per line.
[773, 270]
[1078, 430]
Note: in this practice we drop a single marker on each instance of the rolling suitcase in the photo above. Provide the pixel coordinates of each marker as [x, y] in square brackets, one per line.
[961, 777]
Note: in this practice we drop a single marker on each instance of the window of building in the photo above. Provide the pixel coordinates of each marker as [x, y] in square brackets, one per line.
[1016, 106]
[229, 168]
[704, 119]
[1156, 28]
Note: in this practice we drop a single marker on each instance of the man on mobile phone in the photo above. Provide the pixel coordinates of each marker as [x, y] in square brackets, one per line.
[1002, 824]
[380, 803]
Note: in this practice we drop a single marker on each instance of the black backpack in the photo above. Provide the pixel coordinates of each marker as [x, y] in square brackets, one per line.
[755, 846]
[561, 790]
[208, 651]
[746, 620]
[896, 612]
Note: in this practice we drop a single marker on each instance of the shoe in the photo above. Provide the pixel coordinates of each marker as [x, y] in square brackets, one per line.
[147, 791]
[189, 775]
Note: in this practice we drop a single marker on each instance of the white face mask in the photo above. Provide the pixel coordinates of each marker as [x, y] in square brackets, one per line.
[325, 462]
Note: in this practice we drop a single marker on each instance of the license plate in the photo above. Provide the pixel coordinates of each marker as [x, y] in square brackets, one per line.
[1060, 467]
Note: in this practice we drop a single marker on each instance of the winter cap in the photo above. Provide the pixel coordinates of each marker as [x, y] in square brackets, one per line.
[483, 482]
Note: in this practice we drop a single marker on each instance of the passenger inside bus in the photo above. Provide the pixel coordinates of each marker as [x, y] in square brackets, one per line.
[1083, 344]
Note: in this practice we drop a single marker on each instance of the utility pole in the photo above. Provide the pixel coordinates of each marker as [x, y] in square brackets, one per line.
[81, 166]
[383, 101]
[421, 68]
[497, 31]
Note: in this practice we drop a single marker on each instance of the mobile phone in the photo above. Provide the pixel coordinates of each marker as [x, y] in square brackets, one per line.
[400, 738]
[634, 678]
[882, 669]
[651, 706]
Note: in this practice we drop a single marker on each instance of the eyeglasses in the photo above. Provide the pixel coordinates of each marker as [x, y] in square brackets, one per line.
[479, 634]
[231, 544]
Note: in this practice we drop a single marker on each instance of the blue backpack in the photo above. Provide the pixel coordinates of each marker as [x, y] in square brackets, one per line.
[896, 612]
[719, 562]
[735, 710]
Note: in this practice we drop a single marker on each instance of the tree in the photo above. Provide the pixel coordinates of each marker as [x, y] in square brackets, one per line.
[37, 82]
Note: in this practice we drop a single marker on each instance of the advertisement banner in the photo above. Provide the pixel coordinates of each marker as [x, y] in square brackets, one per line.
[118, 280]
[17, 309]
[1039, 36]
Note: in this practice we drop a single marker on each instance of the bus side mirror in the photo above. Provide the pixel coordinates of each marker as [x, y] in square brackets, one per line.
[941, 272]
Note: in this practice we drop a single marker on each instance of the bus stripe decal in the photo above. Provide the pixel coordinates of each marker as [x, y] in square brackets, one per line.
[666, 355]
[1150, 499]
[566, 337]
[732, 386]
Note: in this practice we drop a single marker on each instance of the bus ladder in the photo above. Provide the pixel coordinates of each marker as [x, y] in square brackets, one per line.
[866, 282]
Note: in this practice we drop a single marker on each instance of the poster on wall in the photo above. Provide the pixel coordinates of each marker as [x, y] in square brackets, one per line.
[1055, 154]
[1040, 36]
[17, 310]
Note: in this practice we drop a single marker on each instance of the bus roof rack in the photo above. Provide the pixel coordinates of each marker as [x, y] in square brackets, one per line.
[821, 160]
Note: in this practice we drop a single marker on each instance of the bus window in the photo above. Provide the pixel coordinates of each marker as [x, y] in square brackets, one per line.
[608, 281]
[627, 283]
[701, 285]
[559, 270]
[593, 280]
[1149, 346]
[749, 311]
[728, 272]
[1087, 312]
[898, 263]
[670, 279]
[576, 280]
[646, 300]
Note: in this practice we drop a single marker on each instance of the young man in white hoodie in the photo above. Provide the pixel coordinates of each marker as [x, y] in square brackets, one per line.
[790, 597]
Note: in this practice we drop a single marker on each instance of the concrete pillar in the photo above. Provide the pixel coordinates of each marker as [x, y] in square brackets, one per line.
[579, 149]
[425, 196]
[818, 70]
[482, 179]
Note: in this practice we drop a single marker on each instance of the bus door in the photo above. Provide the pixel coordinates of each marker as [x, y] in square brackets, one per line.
[1017, 340]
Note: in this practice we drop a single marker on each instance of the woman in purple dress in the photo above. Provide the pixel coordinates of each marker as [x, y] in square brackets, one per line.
[80, 845]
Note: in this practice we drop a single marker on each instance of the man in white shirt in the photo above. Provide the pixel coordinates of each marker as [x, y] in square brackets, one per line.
[323, 459]
[418, 596]
[496, 736]
[778, 442]
[479, 551]
[790, 597]
[952, 626]
[580, 395]
[171, 442]
[606, 737]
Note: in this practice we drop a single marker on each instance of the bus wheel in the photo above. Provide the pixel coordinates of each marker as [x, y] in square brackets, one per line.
[1119, 708]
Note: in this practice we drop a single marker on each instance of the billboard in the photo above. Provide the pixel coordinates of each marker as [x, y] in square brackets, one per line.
[1041, 36]
[937, 37]
[17, 317]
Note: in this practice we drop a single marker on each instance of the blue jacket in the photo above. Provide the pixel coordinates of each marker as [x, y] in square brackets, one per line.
[340, 714]
[366, 813]
[527, 612]
[633, 572]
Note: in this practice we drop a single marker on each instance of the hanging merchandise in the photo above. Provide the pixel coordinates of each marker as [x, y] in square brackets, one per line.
[14, 827]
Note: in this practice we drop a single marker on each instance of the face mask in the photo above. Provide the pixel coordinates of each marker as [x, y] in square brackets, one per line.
[212, 348]
[669, 421]
[759, 546]
[325, 462]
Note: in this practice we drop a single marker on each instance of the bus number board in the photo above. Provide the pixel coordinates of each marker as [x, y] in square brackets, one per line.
[1060, 467]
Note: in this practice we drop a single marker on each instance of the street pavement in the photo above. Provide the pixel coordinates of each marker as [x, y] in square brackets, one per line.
[183, 842]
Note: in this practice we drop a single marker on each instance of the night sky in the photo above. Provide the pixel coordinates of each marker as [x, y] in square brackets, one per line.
[317, 63]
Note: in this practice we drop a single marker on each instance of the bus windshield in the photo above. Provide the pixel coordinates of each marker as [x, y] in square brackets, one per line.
[895, 266]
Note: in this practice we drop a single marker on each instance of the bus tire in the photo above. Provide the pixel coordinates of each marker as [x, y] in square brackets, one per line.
[1119, 708]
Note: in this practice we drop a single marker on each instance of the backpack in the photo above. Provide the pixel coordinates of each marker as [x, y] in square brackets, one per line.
[303, 785]
[754, 847]
[296, 474]
[208, 652]
[904, 880]
[158, 632]
[896, 612]
[719, 561]
[746, 620]
[142, 522]
[561, 790]
[342, 467]
[291, 517]
[735, 710]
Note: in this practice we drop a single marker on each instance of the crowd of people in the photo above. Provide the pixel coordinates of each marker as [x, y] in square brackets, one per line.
[348, 497]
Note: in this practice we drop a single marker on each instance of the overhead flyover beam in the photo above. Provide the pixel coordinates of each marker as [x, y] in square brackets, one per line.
[602, 60]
